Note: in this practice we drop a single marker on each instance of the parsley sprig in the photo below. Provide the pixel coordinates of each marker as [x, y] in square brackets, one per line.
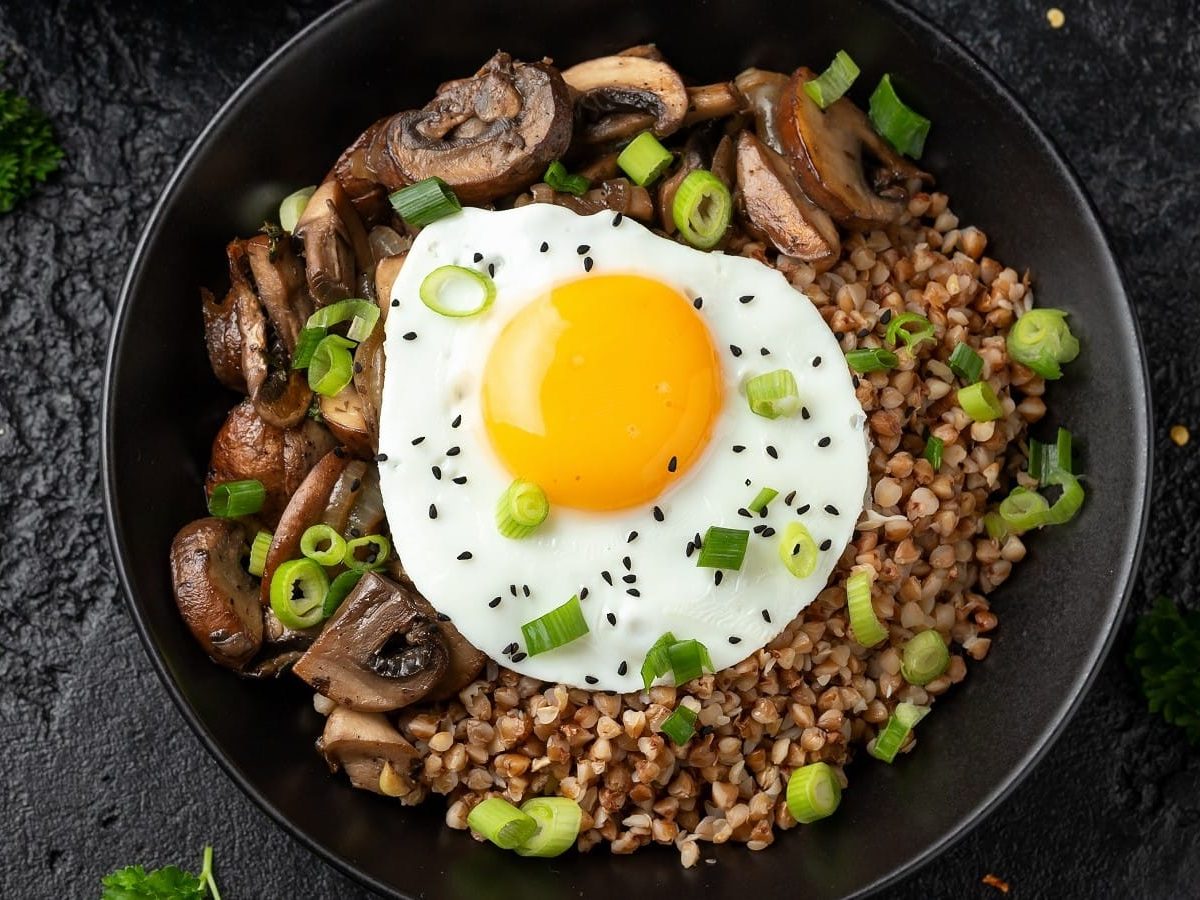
[169, 883]
[28, 151]
[1166, 659]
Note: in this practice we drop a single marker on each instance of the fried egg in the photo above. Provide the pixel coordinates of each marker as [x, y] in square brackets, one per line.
[610, 370]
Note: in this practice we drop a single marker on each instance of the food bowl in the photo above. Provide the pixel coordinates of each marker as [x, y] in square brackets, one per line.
[282, 129]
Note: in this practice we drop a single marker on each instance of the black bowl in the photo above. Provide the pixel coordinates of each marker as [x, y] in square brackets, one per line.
[283, 128]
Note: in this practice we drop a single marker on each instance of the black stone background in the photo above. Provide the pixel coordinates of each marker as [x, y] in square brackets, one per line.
[100, 770]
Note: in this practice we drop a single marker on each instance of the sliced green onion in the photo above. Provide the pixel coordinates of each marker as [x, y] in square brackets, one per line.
[933, 452]
[558, 820]
[339, 590]
[559, 179]
[457, 292]
[868, 630]
[1045, 459]
[980, 402]
[899, 726]
[1067, 505]
[644, 159]
[702, 209]
[1042, 340]
[773, 394]
[560, 626]
[306, 346]
[657, 661]
[966, 363]
[331, 367]
[298, 590]
[321, 535]
[903, 127]
[898, 329]
[925, 658]
[363, 314]
[425, 201]
[997, 528]
[1023, 510]
[367, 553]
[723, 548]
[1064, 457]
[231, 499]
[502, 823]
[813, 792]
[680, 725]
[689, 659]
[258, 553]
[761, 499]
[798, 550]
[867, 360]
[521, 509]
[292, 207]
[834, 81]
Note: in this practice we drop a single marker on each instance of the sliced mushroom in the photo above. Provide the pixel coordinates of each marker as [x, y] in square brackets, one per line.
[382, 650]
[335, 244]
[344, 416]
[361, 743]
[777, 208]
[368, 383]
[488, 135]
[279, 280]
[215, 594]
[364, 169]
[826, 151]
[247, 447]
[689, 161]
[761, 91]
[386, 271]
[385, 242]
[645, 51]
[464, 666]
[223, 337]
[631, 87]
[616, 194]
[712, 101]
[699, 152]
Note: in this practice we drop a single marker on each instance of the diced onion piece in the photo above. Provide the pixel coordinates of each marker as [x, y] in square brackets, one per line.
[966, 363]
[834, 81]
[980, 402]
[925, 658]
[761, 499]
[798, 550]
[689, 659]
[362, 314]
[338, 591]
[457, 292]
[425, 201]
[231, 499]
[521, 509]
[866, 360]
[292, 206]
[657, 661]
[723, 548]
[367, 553]
[502, 823]
[901, 723]
[258, 553]
[773, 394]
[1042, 340]
[1023, 510]
[680, 725]
[298, 590]
[933, 452]
[306, 345]
[900, 125]
[644, 159]
[702, 209]
[558, 820]
[559, 179]
[868, 630]
[320, 536]
[560, 626]
[813, 792]
[331, 367]
[898, 329]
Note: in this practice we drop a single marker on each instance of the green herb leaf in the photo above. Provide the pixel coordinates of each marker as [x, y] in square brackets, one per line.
[28, 152]
[1166, 659]
[168, 883]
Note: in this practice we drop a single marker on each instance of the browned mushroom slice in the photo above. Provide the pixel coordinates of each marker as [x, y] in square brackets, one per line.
[223, 338]
[344, 416]
[335, 244]
[385, 242]
[247, 447]
[712, 101]
[827, 154]
[216, 595]
[464, 666]
[777, 208]
[689, 161]
[279, 280]
[645, 51]
[361, 743]
[761, 90]
[632, 87]
[488, 135]
[363, 170]
[386, 271]
[368, 382]
[616, 194]
[380, 651]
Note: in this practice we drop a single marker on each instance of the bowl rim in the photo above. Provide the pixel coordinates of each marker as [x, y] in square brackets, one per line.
[1143, 469]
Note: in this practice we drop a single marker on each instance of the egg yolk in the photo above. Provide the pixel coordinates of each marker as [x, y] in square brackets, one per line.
[603, 391]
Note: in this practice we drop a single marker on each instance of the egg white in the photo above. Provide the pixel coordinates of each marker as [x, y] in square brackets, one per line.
[431, 425]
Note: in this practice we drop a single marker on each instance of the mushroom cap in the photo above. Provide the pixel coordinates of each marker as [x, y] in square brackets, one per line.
[223, 338]
[624, 90]
[279, 282]
[382, 650]
[216, 596]
[335, 244]
[360, 743]
[344, 416]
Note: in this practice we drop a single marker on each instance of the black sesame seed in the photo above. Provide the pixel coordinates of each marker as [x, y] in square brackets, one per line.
[735, 349]
[512, 589]
[717, 576]
[627, 563]
[699, 543]
[738, 448]
[432, 511]
[410, 335]
[583, 593]
[759, 529]
[772, 452]
[582, 249]
[804, 413]
[456, 421]
[517, 657]
[459, 479]
[766, 614]
[591, 679]
[768, 532]
[629, 579]
[816, 361]
[734, 639]
[511, 648]
[743, 512]
[454, 451]
[632, 537]
[612, 618]
[607, 576]
[823, 442]
[624, 666]
[491, 270]
[691, 548]
[525, 589]
[395, 303]
[831, 509]
[801, 510]
[826, 544]
[863, 332]
[587, 264]
[698, 302]
[633, 592]
[544, 247]
[437, 472]
[355, 485]
[747, 482]
[658, 514]
[478, 257]
[763, 351]
[745, 298]
[381, 457]
[615, 222]
[791, 496]
[494, 602]
[465, 555]
[418, 440]
[886, 317]
[672, 464]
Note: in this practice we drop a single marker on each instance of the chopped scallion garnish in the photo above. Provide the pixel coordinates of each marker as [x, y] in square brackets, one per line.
[331, 367]
[502, 823]
[702, 209]
[834, 81]
[558, 820]
[866, 360]
[322, 544]
[559, 179]
[813, 792]
[898, 330]
[1023, 510]
[306, 345]
[258, 553]
[292, 207]
[689, 659]
[966, 363]
[231, 499]
[680, 725]
[773, 394]
[339, 589]
[362, 315]
[367, 553]
[925, 658]
[425, 201]
[298, 590]
[761, 499]
[798, 550]
[868, 630]
[1046, 458]
[1042, 340]
[899, 726]
[1063, 509]
[657, 661]
[723, 548]
[980, 402]
[901, 126]
[933, 452]
[644, 159]
[457, 292]
[997, 528]
[521, 509]
[560, 626]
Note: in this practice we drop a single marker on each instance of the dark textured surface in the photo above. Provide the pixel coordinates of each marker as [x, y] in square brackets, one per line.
[101, 770]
